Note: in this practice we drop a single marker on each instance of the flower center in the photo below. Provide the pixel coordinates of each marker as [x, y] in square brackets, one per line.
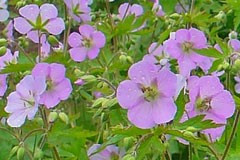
[30, 102]
[150, 93]
[187, 47]
[203, 105]
[50, 85]
[114, 156]
[76, 10]
[87, 42]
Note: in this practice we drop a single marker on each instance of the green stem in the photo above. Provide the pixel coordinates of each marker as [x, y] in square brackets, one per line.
[214, 152]
[234, 129]
[56, 153]
[32, 132]
[65, 41]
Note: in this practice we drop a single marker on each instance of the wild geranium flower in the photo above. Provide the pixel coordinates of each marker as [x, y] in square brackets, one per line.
[79, 10]
[35, 19]
[157, 8]
[3, 84]
[8, 31]
[157, 56]
[85, 44]
[24, 102]
[126, 9]
[111, 152]
[181, 47]
[148, 95]
[58, 86]
[5, 60]
[208, 97]
[4, 14]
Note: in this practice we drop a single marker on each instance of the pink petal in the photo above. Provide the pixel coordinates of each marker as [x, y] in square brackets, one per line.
[30, 12]
[55, 26]
[78, 54]
[75, 39]
[198, 38]
[141, 115]
[172, 48]
[209, 86]
[164, 110]
[98, 39]
[48, 11]
[223, 104]
[128, 94]
[63, 89]
[167, 83]
[143, 72]
[21, 25]
[93, 53]
[186, 65]
[57, 72]
[17, 119]
[4, 14]
[86, 30]
[182, 35]
[137, 10]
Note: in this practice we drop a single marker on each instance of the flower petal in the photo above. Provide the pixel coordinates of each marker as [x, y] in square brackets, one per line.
[93, 53]
[167, 83]
[86, 30]
[22, 25]
[143, 72]
[164, 110]
[78, 54]
[142, 115]
[128, 94]
[75, 39]
[63, 89]
[186, 65]
[57, 72]
[223, 104]
[55, 26]
[98, 39]
[48, 11]
[17, 119]
[4, 14]
[209, 86]
[30, 12]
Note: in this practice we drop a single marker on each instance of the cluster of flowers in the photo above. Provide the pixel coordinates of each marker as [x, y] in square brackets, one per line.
[149, 94]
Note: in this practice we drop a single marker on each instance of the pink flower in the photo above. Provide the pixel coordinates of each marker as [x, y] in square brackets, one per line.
[181, 47]
[208, 97]
[58, 86]
[148, 95]
[36, 19]
[127, 9]
[24, 102]
[86, 43]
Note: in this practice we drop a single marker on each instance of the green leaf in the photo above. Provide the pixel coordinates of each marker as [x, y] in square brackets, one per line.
[180, 102]
[209, 52]
[15, 68]
[132, 131]
[215, 65]
[76, 133]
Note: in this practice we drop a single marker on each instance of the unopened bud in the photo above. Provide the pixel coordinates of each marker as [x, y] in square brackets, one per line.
[52, 116]
[89, 78]
[3, 50]
[129, 59]
[63, 116]
[192, 129]
[123, 58]
[3, 42]
[53, 40]
[20, 153]
[188, 134]
[13, 151]
[233, 35]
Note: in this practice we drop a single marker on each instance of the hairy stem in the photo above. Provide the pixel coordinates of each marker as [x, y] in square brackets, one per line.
[234, 129]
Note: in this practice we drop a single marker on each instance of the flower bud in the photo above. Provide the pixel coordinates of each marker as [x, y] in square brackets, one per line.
[20, 153]
[89, 78]
[188, 134]
[233, 35]
[3, 42]
[220, 16]
[38, 154]
[128, 157]
[13, 151]
[53, 40]
[192, 129]
[52, 117]
[79, 82]
[63, 116]
[225, 65]
[78, 72]
[129, 59]
[123, 58]
[3, 50]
